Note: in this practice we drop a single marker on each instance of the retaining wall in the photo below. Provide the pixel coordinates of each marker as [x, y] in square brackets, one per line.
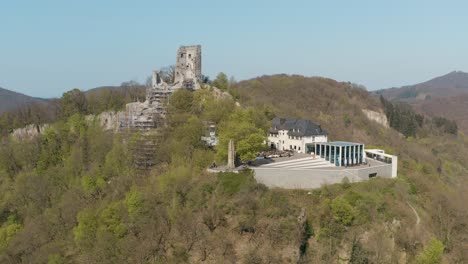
[315, 178]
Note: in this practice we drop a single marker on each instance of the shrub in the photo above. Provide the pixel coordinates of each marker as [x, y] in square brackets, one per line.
[232, 183]
[432, 253]
[342, 211]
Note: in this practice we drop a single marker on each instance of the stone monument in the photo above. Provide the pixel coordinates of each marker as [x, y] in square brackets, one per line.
[231, 155]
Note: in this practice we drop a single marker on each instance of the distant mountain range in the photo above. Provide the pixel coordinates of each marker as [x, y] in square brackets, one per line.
[10, 100]
[445, 96]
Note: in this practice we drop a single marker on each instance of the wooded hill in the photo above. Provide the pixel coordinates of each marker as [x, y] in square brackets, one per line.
[74, 194]
[94, 101]
[10, 100]
[445, 96]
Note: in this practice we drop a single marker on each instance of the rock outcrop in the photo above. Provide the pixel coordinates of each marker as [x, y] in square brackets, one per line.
[29, 131]
[110, 121]
[378, 117]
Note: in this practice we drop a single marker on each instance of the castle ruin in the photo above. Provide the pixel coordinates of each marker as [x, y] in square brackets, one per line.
[188, 67]
[148, 114]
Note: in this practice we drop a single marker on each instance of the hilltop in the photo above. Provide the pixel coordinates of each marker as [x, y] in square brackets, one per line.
[10, 100]
[337, 106]
[452, 84]
[75, 195]
[445, 96]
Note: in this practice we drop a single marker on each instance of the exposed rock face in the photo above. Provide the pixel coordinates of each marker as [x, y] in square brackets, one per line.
[29, 131]
[378, 117]
[108, 120]
[218, 94]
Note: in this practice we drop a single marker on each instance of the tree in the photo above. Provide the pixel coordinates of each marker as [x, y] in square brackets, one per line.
[221, 82]
[168, 74]
[181, 101]
[247, 128]
[8, 231]
[432, 253]
[85, 232]
[358, 253]
[342, 211]
[73, 102]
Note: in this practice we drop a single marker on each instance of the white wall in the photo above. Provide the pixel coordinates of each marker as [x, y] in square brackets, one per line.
[283, 142]
[315, 178]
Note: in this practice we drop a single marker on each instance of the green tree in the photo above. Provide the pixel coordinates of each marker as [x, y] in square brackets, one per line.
[117, 160]
[7, 231]
[52, 152]
[134, 202]
[73, 102]
[85, 232]
[342, 211]
[181, 101]
[247, 127]
[432, 253]
[221, 82]
[110, 219]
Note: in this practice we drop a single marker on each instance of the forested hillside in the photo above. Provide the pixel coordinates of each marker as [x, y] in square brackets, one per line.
[74, 194]
[94, 101]
[445, 96]
[10, 100]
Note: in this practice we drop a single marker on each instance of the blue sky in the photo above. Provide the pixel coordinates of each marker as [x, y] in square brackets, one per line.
[48, 47]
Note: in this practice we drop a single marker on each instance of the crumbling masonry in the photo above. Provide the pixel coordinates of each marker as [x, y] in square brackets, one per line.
[187, 75]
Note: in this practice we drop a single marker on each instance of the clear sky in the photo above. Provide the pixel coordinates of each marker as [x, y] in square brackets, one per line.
[48, 47]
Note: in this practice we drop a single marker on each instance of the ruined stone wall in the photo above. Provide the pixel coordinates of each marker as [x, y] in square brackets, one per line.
[151, 113]
[188, 72]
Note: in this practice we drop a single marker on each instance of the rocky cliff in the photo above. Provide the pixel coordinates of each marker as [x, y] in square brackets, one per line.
[378, 117]
[110, 121]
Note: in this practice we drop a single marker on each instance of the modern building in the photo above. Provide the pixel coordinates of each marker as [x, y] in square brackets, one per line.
[381, 156]
[341, 153]
[295, 134]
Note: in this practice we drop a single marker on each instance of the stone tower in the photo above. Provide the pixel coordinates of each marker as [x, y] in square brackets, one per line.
[188, 72]
[151, 113]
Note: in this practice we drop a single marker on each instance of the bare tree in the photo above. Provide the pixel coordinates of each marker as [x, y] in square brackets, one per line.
[168, 74]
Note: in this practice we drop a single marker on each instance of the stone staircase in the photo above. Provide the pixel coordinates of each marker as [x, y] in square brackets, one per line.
[303, 163]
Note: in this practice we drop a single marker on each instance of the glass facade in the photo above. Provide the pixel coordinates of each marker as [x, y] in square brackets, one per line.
[341, 153]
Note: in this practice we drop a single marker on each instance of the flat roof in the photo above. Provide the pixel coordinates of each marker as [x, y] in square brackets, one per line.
[379, 152]
[341, 143]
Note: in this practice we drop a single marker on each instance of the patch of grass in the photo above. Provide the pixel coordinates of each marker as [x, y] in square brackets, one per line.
[232, 183]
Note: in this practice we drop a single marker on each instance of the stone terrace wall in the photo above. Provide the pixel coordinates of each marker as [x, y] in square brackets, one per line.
[311, 179]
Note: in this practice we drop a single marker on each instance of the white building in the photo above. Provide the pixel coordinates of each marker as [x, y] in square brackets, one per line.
[295, 134]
